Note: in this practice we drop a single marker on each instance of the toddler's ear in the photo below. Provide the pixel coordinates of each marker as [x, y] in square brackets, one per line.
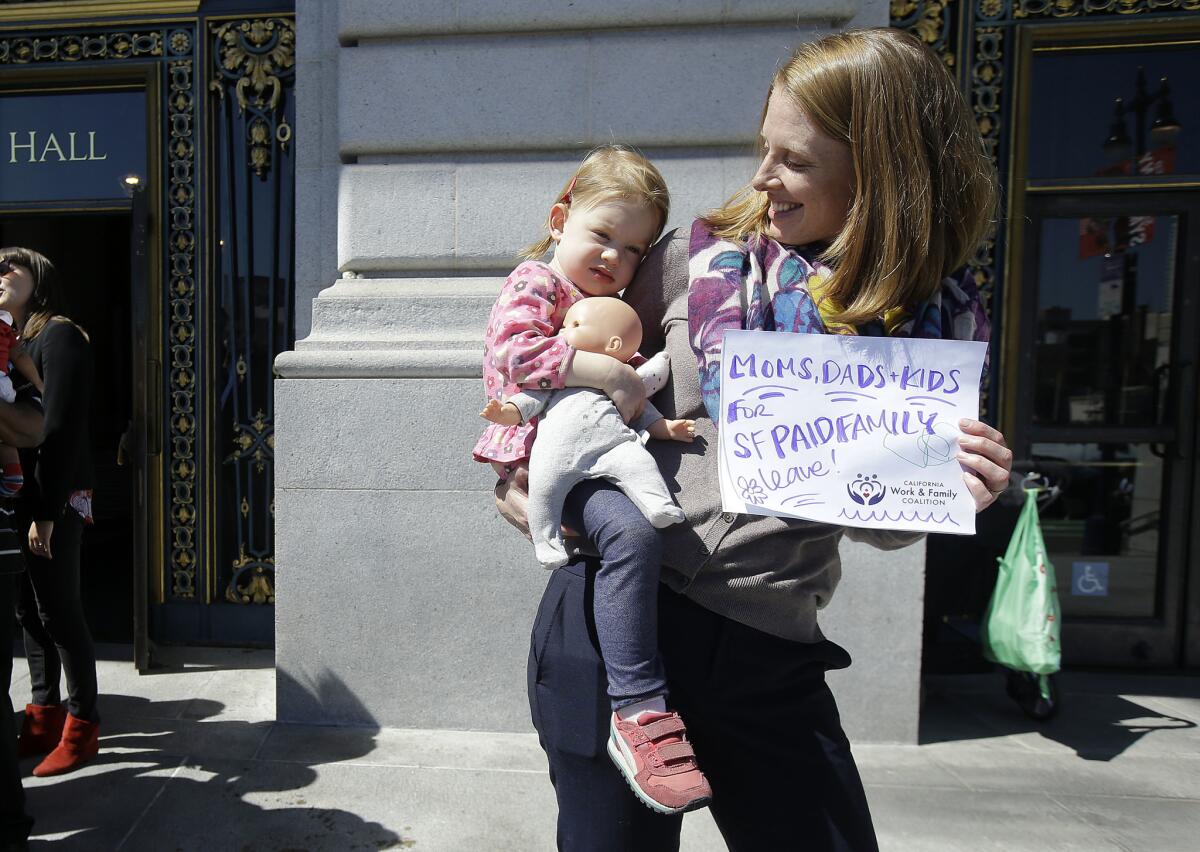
[557, 220]
[615, 344]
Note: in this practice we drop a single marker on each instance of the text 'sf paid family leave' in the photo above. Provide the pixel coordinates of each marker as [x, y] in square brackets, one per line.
[854, 431]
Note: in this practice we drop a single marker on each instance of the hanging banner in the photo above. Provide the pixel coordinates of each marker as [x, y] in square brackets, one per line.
[72, 146]
[848, 430]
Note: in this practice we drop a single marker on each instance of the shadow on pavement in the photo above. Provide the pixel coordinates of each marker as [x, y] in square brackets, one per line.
[1095, 725]
[163, 782]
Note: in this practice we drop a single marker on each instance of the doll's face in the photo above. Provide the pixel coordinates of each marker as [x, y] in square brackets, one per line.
[603, 325]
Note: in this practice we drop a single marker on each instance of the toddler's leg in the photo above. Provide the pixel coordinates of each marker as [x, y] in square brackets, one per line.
[647, 744]
[626, 589]
[636, 473]
[12, 478]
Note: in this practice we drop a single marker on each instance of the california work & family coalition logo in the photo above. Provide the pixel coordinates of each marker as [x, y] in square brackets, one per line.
[867, 490]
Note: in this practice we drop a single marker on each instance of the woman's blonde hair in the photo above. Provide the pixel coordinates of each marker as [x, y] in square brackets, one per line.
[925, 189]
[46, 299]
[610, 173]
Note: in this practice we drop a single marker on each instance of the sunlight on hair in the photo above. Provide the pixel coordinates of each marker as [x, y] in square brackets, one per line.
[925, 188]
[610, 173]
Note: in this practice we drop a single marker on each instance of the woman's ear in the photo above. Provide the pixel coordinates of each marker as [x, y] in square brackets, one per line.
[557, 220]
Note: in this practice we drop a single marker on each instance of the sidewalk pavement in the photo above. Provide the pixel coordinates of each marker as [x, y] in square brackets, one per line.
[191, 760]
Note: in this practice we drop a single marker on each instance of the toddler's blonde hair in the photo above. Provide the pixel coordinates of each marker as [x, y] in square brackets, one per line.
[610, 173]
[925, 189]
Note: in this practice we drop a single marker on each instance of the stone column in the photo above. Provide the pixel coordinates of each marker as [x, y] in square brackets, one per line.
[433, 137]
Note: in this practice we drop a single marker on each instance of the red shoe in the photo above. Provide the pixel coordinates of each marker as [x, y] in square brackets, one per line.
[80, 743]
[41, 730]
[658, 762]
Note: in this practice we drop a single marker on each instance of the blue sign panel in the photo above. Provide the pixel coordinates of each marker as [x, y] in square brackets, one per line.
[70, 147]
[1089, 579]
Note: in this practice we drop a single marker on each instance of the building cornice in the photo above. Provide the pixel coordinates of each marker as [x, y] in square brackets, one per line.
[95, 9]
[394, 328]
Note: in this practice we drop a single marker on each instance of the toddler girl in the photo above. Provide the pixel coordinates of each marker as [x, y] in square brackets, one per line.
[609, 214]
[12, 357]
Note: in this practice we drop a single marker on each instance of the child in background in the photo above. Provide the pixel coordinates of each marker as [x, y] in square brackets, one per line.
[12, 357]
[609, 214]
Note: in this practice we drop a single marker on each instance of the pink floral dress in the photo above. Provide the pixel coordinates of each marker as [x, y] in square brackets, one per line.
[521, 352]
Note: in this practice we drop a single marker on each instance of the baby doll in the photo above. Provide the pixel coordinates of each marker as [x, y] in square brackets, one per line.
[12, 356]
[582, 436]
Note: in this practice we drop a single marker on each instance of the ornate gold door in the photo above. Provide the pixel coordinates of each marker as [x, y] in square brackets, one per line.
[219, 193]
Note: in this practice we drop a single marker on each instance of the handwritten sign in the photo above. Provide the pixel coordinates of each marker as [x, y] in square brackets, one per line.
[846, 430]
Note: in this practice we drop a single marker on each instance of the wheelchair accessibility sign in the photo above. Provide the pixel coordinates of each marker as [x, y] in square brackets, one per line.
[1089, 579]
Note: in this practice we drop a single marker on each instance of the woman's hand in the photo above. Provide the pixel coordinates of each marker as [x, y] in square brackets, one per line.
[988, 461]
[512, 499]
[39, 538]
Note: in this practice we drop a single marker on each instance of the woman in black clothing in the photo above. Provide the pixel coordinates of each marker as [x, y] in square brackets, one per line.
[20, 426]
[55, 502]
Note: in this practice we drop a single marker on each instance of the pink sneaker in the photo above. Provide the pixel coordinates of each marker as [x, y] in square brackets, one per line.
[658, 762]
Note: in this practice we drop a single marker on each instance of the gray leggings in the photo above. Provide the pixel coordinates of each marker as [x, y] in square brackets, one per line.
[625, 604]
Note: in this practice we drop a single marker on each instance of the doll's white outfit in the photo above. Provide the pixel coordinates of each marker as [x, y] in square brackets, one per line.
[581, 436]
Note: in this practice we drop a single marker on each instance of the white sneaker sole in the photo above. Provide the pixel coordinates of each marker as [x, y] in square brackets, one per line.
[626, 765]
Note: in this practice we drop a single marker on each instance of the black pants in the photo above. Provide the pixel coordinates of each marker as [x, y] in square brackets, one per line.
[56, 632]
[14, 824]
[765, 727]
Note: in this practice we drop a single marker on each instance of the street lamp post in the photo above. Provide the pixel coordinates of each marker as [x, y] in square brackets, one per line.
[1164, 128]
[1129, 231]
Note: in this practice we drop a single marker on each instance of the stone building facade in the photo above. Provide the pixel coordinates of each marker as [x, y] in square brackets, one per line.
[436, 136]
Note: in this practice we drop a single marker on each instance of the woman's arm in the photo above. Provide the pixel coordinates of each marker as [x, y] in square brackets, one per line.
[20, 423]
[66, 371]
[25, 366]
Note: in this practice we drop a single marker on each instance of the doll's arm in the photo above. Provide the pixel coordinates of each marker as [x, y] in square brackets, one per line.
[673, 430]
[518, 409]
[25, 366]
[502, 414]
[654, 374]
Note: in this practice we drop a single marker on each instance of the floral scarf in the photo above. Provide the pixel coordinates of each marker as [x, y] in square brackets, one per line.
[761, 285]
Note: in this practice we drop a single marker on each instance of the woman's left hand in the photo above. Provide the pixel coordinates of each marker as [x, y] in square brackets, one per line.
[981, 449]
[40, 533]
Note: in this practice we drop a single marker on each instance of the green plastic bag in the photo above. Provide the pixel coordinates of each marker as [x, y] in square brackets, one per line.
[1021, 627]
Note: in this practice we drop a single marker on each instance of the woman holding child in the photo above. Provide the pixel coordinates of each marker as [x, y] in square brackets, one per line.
[54, 504]
[873, 192]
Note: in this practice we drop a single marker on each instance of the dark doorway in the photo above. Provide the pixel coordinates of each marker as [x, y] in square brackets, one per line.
[91, 252]
[1106, 407]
